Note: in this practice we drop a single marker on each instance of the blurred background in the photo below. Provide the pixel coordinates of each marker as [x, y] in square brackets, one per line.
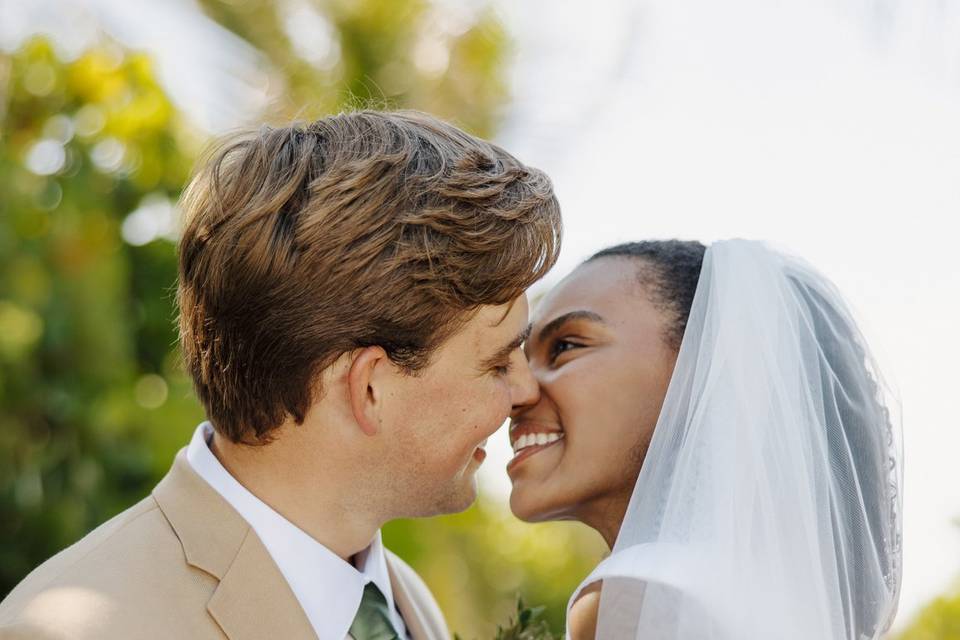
[831, 129]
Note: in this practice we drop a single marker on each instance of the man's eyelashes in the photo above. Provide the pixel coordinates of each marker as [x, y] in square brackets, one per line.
[503, 369]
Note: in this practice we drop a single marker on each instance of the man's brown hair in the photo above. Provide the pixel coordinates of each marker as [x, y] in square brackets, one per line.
[307, 241]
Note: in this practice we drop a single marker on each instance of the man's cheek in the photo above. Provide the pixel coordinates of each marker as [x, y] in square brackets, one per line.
[500, 402]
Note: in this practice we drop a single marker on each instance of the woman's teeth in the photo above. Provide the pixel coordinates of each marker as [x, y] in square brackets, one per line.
[534, 439]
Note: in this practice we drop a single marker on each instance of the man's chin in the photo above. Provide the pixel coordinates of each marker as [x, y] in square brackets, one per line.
[464, 499]
[452, 502]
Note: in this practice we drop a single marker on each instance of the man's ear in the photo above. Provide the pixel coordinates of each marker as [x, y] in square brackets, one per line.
[366, 397]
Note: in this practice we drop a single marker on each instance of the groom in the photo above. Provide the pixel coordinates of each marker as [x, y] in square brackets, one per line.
[351, 312]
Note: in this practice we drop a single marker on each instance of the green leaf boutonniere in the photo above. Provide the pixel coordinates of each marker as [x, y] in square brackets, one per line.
[527, 625]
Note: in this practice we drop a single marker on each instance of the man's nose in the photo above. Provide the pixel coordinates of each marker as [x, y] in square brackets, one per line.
[526, 389]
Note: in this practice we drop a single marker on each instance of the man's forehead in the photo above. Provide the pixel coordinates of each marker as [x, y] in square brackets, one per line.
[482, 334]
[502, 322]
[499, 315]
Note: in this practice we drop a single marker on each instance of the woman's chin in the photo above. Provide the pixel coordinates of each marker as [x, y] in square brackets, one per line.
[529, 505]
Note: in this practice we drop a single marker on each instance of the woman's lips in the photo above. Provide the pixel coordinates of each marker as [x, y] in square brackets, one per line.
[526, 452]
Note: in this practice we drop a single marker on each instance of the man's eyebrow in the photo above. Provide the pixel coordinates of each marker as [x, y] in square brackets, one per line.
[507, 349]
[557, 323]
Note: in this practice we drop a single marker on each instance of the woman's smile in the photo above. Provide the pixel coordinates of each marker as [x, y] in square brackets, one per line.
[529, 445]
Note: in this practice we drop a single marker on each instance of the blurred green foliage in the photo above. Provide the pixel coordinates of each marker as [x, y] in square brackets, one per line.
[527, 624]
[393, 52]
[939, 620]
[93, 403]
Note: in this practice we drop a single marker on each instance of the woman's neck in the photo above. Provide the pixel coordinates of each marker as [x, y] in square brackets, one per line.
[605, 516]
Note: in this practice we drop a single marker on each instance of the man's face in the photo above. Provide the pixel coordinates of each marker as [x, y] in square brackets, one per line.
[439, 420]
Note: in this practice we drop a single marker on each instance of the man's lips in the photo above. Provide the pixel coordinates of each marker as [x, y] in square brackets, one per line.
[480, 453]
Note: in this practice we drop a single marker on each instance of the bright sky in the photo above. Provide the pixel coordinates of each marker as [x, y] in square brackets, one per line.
[828, 127]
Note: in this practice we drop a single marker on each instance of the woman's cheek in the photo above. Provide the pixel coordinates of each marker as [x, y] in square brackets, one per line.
[570, 388]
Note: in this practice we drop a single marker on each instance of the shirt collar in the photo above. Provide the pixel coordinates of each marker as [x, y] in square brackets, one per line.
[328, 588]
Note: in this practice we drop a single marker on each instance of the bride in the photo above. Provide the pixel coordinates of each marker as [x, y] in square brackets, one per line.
[715, 414]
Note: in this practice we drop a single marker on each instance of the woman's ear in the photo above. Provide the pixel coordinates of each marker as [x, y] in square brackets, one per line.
[365, 394]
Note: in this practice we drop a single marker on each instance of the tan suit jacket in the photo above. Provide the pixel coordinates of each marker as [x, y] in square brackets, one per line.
[181, 563]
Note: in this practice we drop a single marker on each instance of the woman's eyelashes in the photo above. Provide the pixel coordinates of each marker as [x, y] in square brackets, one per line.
[559, 347]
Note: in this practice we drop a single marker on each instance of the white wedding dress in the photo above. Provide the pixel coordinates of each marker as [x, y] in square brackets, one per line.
[768, 505]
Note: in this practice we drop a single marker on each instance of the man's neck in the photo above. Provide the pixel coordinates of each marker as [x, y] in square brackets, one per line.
[324, 507]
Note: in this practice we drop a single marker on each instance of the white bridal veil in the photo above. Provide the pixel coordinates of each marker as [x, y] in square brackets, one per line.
[768, 505]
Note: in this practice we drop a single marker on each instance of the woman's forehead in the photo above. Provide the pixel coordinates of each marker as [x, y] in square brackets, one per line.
[598, 286]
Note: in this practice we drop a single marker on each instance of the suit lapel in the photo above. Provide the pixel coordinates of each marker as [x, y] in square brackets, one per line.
[253, 600]
[413, 615]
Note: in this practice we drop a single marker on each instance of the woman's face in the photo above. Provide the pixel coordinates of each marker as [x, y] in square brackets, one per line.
[599, 353]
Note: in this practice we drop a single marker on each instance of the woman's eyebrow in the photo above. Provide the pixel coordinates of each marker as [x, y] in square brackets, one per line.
[556, 324]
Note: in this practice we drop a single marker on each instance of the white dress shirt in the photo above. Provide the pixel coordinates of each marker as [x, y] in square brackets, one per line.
[328, 588]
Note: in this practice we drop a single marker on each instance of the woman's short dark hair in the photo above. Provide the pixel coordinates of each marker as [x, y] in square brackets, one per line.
[670, 273]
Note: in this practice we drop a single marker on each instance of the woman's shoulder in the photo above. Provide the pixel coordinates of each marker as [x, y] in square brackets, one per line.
[583, 614]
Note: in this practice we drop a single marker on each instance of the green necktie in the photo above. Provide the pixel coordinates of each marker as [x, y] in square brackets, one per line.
[373, 617]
